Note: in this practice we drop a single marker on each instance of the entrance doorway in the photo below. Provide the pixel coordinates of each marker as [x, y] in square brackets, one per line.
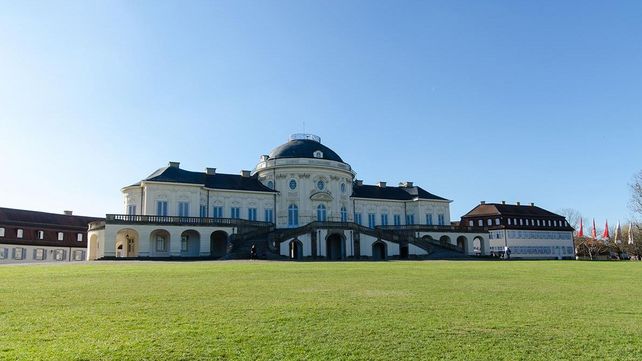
[378, 251]
[296, 249]
[218, 244]
[334, 247]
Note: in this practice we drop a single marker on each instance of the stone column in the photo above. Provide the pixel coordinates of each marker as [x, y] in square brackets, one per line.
[175, 243]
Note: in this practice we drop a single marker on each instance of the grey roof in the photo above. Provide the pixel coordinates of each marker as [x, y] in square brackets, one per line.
[303, 148]
[393, 193]
[496, 209]
[215, 181]
[23, 216]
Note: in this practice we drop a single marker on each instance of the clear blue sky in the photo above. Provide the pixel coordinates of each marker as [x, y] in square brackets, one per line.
[531, 101]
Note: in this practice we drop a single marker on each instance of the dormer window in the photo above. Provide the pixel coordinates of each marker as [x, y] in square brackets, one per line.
[318, 154]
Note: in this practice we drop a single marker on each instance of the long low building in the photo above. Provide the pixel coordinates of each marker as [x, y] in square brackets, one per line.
[301, 201]
[30, 236]
[529, 231]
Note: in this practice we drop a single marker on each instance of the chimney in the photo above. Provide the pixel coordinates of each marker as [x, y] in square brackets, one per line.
[532, 204]
[381, 184]
[245, 173]
[519, 204]
[482, 202]
[405, 184]
[503, 202]
[358, 182]
[264, 157]
[68, 213]
[210, 171]
[174, 164]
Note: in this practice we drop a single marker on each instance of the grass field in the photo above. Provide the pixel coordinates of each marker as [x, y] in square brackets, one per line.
[353, 311]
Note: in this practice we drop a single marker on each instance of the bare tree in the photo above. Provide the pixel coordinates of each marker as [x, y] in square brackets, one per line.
[573, 217]
[588, 247]
[636, 194]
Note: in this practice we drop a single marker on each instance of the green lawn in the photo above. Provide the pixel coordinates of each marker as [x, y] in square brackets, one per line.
[355, 311]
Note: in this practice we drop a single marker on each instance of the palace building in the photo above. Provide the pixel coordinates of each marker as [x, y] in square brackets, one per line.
[301, 201]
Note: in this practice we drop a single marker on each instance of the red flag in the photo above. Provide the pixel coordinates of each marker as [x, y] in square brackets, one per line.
[605, 235]
[581, 231]
[593, 231]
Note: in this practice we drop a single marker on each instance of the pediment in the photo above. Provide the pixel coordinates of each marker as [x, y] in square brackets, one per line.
[321, 196]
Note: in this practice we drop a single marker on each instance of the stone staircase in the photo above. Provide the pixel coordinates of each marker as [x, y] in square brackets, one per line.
[264, 238]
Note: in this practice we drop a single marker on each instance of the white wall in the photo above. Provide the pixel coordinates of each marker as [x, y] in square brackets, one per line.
[533, 243]
[49, 254]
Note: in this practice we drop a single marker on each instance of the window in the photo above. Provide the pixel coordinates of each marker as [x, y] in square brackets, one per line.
[59, 255]
[538, 222]
[320, 185]
[184, 243]
[497, 221]
[344, 214]
[183, 209]
[321, 213]
[217, 212]
[161, 244]
[480, 223]
[429, 219]
[18, 253]
[441, 219]
[131, 209]
[489, 222]
[371, 220]
[269, 215]
[161, 208]
[471, 223]
[293, 215]
[3, 253]
[61, 236]
[384, 219]
[396, 219]
[251, 214]
[40, 234]
[521, 222]
[318, 154]
[509, 222]
[1, 231]
[343, 187]
[39, 254]
[270, 184]
[202, 211]
[19, 233]
[78, 255]
[292, 184]
[410, 219]
[357, 218]
[235, 212]
[79, 237]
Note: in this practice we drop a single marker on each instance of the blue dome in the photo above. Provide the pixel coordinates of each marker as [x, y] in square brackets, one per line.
[304, 148]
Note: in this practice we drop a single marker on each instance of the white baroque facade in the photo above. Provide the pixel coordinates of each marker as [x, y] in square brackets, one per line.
[302, 201]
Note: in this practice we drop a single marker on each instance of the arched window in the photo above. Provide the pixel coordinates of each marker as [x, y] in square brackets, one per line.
[344, 214]
[321, 213]
[293, 215]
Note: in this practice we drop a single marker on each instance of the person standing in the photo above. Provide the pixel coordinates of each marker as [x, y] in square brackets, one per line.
[253, 251]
